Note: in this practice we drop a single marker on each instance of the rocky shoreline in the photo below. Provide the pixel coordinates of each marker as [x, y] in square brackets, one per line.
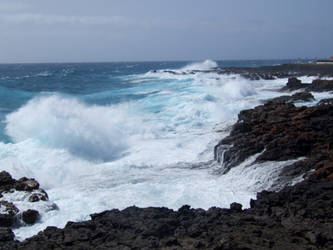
[295, 217]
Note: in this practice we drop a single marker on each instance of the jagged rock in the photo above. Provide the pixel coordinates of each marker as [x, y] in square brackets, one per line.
[320, 85]
[10, 215]
[236, 206]
[8, 212]
[6, 182]
[30, 216]
[25, 184]
[39, 195]
[295, 218]
[328, 101]
[6, 178]
[279, 71]
[293, 82]
[281, 132]
[6, 234]
[298, 97]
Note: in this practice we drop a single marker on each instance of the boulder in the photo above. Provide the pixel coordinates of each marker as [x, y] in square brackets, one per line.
[8, 212]
[320, 85]
[25, 184]
[236, 206]
[295, 98]
[6, 179]
[30, 216]
[6, 234]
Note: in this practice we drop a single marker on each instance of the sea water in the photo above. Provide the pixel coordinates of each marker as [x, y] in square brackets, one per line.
[99, 136]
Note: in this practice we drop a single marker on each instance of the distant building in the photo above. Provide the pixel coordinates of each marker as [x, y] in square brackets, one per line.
[330, 61]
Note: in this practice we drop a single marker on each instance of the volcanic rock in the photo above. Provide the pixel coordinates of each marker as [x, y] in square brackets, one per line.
[279, 71]
[25, 184]
[320, 85]
[279, 131]
[328, 101]
[30, 216]
[8, 214]
[297, 217]
[6, 234]
[298, 97]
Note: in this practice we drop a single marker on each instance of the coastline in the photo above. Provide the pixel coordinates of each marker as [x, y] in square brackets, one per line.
[196, 228]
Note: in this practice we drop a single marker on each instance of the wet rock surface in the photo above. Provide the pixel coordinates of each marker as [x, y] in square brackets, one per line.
[281, 71]
[266, 72]
[10, 215]
[295, 98]
[297, 217]
[317, 85]
[280, 131]
[30, 216]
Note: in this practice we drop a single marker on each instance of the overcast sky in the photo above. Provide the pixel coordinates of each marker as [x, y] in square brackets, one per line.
[143, 30]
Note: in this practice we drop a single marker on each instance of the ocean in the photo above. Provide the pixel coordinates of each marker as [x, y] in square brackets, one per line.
[99, 136]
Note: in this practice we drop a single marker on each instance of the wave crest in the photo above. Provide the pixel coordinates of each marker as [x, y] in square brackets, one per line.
[205, 65]
[92, 132]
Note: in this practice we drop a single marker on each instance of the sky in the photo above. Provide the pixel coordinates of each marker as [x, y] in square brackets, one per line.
[156, 30]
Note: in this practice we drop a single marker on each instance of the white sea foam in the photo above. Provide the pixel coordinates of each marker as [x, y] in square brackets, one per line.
[205, 65]
[65, 123]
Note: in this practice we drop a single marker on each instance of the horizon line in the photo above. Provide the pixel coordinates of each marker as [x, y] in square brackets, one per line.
[147, 61]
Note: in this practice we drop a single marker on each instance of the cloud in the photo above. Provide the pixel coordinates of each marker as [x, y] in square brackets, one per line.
[62, 19]
[6, 7]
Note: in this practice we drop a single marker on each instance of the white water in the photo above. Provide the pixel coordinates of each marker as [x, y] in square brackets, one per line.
[90, 158]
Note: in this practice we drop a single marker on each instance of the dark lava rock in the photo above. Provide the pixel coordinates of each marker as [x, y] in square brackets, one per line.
[8, 214]
[294, 84]
[25, 184]
[298, 97]
[279, 71]
[236, 206]
[6, 178]
[6, 234]
[6, 181]
[41, 195]
[320, 85]
[281, 132]
[297, 217]
[30, 216]
[328, 101]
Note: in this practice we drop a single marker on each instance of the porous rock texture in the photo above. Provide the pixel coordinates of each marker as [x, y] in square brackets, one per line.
[10, 215]
[280, 131]
[297, 217]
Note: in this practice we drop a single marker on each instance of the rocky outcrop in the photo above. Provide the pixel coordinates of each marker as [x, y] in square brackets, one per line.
[297, 217]
[281, 132]
[264, 72]
[280, 71]
[10, 215]
[321, 85]
[295, 98]
[318, 85]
